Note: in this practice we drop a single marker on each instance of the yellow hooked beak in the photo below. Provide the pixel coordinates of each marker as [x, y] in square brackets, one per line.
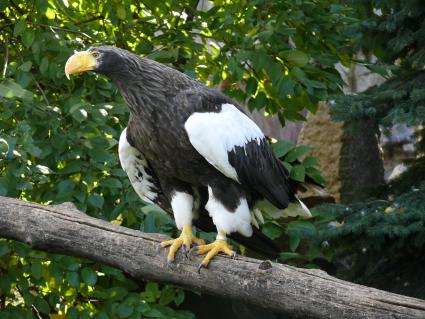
[80, 62]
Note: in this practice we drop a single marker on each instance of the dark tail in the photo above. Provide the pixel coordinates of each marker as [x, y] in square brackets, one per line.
[258, 243]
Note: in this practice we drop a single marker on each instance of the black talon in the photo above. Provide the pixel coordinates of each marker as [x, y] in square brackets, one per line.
[169, 264]
[192, 251]
[234, 255]
[184, 251]
[158, 249]
[201, 265]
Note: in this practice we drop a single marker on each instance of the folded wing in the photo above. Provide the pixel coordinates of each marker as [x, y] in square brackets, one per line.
[230, 141]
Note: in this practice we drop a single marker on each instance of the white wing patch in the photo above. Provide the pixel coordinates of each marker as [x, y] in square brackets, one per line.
[134, 164]
[213, 135]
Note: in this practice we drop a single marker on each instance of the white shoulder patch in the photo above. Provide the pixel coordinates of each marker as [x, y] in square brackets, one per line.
[134, 164]
[213, 135]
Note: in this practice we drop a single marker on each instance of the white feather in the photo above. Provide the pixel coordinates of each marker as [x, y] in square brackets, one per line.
[297, 209]
[134, 163]
[182, 205]
[228, 221]
[213, 135]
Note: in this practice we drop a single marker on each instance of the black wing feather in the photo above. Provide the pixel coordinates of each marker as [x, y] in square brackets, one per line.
[259, 170]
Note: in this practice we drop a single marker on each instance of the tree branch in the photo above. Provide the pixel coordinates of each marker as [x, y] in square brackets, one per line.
[302, 293]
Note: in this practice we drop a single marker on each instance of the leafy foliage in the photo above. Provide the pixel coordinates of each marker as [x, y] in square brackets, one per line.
[393, 32]
[299, 165]
[390, 233]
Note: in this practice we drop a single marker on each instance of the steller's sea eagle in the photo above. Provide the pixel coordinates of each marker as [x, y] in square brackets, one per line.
[193, 151]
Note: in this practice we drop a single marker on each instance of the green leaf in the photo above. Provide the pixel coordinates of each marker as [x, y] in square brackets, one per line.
[10, 89]
[73, 279]
[294, 241]
[124, 310]
[152, 292]
[272, 230]
[89, 276]
[179, 297]
[41, 305]
[33, 150]
[251, 86]
[117, 293]
[295, 57]
[26, 66]
[36, 270]
[19, 27]
[298, 74]
[120, 11]
[65, 185]
[281, 148]
[296, 153]
[310, 161]
[167, 296]
[315, 84]
[72, 313]
[72, 166]
[4, 247]
[111, 183]
[153, 313]
[152, 287]
[101, 155]
[315, 174]
[298, 173]
[287, 166]
[285, 86]
[44, 66]
[235, 69]
[96, 200]
[28, 38]
[101, 315]
[80, 115]
[50, 13]
[294, 116]
[5, 282]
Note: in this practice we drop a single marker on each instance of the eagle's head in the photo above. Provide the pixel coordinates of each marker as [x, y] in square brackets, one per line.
[102, 59]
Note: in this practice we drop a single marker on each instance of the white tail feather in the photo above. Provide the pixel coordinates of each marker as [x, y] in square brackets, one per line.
[297, 209]
[314, 190]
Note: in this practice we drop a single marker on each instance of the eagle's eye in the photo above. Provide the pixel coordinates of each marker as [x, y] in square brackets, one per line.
[95, 54]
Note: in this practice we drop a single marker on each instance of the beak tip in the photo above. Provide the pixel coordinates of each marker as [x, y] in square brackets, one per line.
[67, 75]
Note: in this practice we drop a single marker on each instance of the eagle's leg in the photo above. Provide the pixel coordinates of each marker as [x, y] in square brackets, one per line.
[182, 206]
[220, 245]
[184, 241]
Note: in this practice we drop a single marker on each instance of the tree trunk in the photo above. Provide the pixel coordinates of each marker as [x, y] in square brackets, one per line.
[300, 293]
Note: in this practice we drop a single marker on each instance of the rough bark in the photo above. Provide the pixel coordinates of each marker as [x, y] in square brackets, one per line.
[302, 293]
[361, 166]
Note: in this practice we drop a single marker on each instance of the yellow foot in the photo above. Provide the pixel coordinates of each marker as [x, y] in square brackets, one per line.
[213, 249]
[184, 241]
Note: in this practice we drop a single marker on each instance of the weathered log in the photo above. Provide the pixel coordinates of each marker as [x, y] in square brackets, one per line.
[302, 293]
